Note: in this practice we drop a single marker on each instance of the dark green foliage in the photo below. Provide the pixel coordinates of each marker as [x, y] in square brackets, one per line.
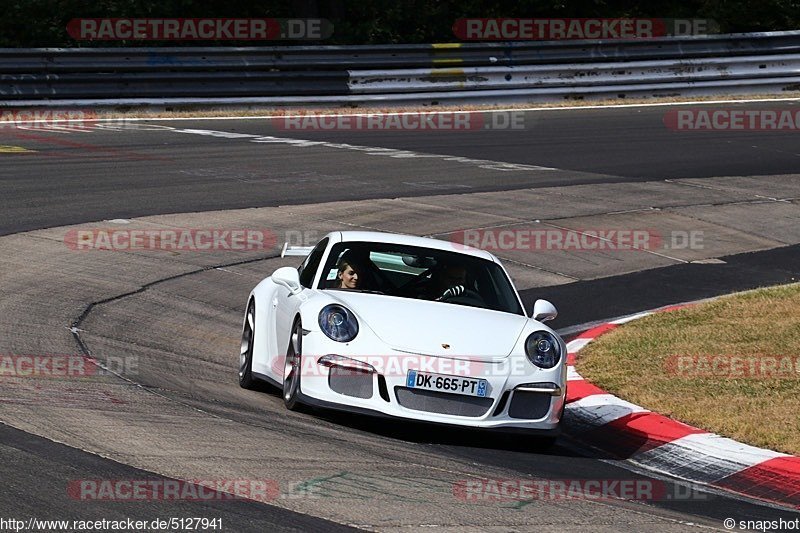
[42, 23]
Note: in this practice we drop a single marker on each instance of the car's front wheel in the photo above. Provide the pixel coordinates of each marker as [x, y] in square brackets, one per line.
[246, 379]
[292, 366]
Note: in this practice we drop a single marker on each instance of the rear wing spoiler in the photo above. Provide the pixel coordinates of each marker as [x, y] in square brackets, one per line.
[295, 250]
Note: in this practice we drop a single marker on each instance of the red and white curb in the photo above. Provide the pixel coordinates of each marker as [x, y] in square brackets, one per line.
[658, 443]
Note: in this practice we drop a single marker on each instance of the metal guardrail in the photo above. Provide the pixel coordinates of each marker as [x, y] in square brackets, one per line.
[494, 72]
[748, 68]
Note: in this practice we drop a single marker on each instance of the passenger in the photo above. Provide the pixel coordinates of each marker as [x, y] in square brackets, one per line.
[347, 272]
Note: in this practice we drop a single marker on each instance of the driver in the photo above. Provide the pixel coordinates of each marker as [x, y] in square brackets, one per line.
[451, 280]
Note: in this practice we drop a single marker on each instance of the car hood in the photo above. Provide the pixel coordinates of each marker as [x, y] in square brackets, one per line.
[436, 328]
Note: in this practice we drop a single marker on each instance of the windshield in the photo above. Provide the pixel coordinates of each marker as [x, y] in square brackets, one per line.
[419, 273]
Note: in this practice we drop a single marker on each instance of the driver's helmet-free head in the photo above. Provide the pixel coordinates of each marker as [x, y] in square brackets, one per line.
[451, 275]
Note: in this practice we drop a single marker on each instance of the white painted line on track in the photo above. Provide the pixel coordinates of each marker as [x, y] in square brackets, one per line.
[369, 150]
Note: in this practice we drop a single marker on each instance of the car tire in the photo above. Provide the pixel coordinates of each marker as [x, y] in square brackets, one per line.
[292, 366]
[246, 379]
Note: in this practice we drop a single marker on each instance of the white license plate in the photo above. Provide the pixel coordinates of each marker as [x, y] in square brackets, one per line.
[443, 383]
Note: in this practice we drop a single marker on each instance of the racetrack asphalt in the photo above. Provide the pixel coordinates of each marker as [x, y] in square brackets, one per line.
[83, 176]
[593, 300]
[135, 173]
[37, 473]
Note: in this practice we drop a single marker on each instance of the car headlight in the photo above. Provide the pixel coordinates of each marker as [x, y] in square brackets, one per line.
[338, 323]
[543, 349]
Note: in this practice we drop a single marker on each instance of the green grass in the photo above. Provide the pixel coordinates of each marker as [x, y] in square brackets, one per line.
[639, 362]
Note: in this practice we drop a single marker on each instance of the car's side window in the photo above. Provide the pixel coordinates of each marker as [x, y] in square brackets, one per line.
[310, 265]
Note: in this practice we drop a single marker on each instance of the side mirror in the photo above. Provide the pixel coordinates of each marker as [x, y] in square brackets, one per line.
[288, 277]
[544, 311]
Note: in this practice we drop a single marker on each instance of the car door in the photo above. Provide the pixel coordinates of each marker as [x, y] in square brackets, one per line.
[286, 304]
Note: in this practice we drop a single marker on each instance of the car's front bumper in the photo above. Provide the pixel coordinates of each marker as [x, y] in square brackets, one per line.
[519, 395]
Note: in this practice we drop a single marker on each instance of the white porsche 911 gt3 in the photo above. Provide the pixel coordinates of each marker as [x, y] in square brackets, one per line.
[407, 327]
